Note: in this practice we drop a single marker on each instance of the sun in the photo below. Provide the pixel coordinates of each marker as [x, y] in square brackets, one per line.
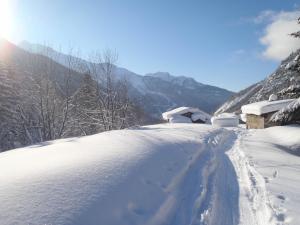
[6, 19]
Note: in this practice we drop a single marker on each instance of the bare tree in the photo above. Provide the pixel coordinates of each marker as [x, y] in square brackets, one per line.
[47, 102]
[45, 113]
[111, 108]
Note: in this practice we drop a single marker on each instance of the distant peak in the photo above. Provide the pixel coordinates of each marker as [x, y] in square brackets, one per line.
[34, 48]
[162, 75]
[181, 80]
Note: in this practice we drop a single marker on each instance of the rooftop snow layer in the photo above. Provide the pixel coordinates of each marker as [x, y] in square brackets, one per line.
[181, 110]
[225, 120]
[259, 108]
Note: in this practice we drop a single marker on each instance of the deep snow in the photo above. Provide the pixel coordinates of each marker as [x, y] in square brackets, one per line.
[262, 107]
[272, 153]
[163, 174]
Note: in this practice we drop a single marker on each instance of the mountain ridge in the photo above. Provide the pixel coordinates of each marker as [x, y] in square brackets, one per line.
[284, 81]
[157, 92]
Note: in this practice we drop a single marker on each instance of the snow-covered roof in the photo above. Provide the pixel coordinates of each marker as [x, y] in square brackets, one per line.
[227, 115]
[225, 120]
[259, 108]
[180, 111]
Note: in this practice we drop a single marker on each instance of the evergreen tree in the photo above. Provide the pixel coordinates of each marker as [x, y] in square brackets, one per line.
[297, 33]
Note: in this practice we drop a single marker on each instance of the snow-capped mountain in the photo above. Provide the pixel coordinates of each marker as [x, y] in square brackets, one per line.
[156, 92]
[285, 82]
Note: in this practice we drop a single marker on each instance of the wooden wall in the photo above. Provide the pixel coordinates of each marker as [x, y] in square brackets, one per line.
[255, 122]
[259, 122]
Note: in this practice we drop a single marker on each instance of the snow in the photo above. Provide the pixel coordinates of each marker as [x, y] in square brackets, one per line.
[225, 120]
[175, 115]
[243, 117]
[201, 116]
[291, 64]
[179, 111]
[179, 119]
[262, 107]
[269, 174]
[284, 112]
[162, 174]
[273, 97]
[119, 177]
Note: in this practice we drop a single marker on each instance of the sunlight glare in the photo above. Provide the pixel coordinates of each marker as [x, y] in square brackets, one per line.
[6, 19]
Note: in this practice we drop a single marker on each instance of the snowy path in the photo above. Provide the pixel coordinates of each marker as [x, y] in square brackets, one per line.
[169, 174]
[208, 186]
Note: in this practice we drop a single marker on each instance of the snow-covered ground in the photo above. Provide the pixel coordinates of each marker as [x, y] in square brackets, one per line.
[163, 174]
[273, 175]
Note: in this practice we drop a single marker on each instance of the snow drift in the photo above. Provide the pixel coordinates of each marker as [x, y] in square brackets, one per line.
[272, 156]
[262, 107]
[120, 177]
[164, 174]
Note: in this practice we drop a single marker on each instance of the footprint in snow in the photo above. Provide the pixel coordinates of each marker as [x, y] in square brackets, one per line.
[275, 174]
[281, 197]
[267, 180]
[280, 217]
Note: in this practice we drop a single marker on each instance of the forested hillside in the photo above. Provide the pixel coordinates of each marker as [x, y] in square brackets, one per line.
[41, 100]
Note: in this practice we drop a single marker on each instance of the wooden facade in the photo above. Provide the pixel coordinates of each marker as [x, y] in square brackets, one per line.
[259, 122]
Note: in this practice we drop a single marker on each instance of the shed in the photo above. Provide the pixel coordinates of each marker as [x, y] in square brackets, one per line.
[258, 114]
[186, 115]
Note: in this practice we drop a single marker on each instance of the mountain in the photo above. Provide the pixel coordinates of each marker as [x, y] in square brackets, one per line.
[25, 80]
[42, 100]
[155, 92]
[285, 82]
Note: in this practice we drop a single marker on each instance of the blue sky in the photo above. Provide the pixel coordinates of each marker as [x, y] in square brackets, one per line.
[216, 42]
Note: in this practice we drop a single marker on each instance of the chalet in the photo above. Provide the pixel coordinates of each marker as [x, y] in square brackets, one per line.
[186, 115]
[258, 114]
